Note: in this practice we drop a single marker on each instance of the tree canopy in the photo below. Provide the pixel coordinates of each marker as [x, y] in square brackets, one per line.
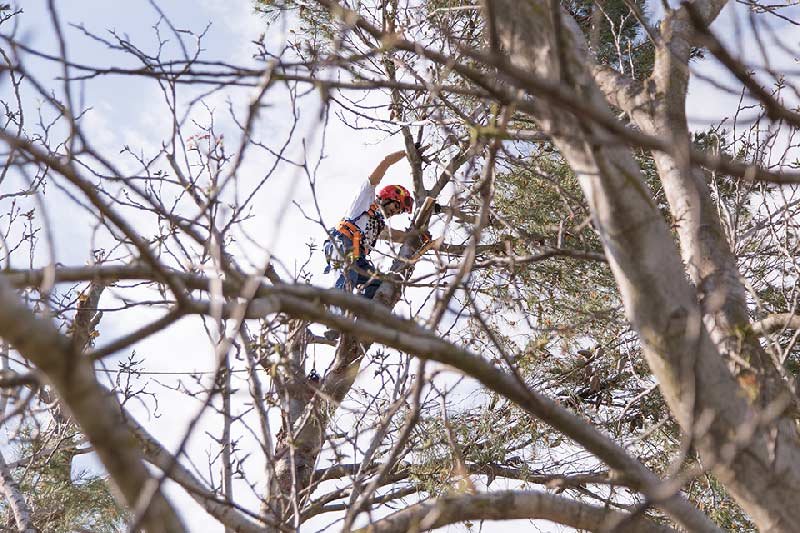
[587, 320]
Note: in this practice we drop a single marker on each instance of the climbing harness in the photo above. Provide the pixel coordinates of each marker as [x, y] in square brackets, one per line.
[336, 245]
[351, 231]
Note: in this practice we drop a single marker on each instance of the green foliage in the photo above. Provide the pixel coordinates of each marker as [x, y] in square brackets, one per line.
[581, 350]
[475, 434]
[570, 297]
[561, 319]
[616, 35]
[63, 501]
[714, 501]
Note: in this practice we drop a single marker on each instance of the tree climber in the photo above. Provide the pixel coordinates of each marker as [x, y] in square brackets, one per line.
[351, 241]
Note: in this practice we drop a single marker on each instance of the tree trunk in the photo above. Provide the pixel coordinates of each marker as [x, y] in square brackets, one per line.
[94, 408]
[761, 470]
[16, 500]
[297, 450]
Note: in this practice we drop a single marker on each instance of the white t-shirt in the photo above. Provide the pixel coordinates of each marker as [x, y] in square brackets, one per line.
[370, 226]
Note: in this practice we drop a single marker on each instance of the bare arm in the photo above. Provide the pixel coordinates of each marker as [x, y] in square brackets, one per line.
[377, 174]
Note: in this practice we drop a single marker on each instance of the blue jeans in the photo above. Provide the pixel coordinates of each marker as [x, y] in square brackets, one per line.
[355, 275]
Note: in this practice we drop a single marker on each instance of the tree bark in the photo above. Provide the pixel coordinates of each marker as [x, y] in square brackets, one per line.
[512, 505]
[761, 470]
[378, 324]
[94, 408]
[16, 500]
[659, 107]
[294, 451]
[298, 448]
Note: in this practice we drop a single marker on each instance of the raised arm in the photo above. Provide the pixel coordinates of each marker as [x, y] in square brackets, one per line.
[377, 174]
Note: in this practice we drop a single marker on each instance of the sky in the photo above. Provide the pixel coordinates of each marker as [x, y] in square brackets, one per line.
[122, 111]
[707, 102]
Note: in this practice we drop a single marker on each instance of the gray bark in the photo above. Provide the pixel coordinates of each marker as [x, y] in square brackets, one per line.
[298, 447]
[95, 409]
[378, 324]
[512, 505]
[659, 107]
[16, 500]
[761, 471]
[295, 453]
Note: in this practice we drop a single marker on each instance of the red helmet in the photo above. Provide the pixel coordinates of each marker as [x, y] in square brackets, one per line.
[399, 194]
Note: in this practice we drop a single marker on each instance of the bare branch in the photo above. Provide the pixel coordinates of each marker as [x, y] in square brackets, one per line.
[508, 505]
[94, 408]
[16, 500]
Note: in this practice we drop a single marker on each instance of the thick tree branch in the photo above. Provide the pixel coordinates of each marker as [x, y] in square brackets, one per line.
[659, 301]
[376, 323]
[16, 500]
[776, 322]
[511, 505]
[95, 409]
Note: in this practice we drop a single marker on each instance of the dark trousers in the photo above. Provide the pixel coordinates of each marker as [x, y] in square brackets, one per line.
[358, 276]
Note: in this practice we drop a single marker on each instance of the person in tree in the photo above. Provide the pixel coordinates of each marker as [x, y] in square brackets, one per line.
[354, 237]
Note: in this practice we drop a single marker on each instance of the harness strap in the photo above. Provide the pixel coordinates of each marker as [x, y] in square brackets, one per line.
[371, 211]
[348, 228]
[351, 231]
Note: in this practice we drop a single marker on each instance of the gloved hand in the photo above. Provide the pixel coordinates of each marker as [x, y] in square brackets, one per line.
[437, 208]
